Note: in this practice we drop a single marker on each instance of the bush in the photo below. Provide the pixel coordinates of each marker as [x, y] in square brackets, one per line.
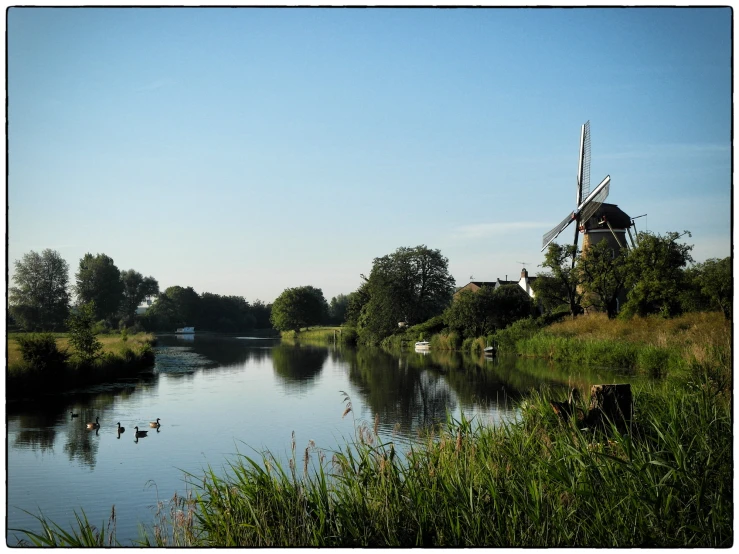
[507, 338]
[40, 352]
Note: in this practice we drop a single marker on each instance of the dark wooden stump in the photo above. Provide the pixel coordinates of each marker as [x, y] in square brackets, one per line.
[611, 403]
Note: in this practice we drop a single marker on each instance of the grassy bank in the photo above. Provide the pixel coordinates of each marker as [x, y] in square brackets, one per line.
[652, 345]
[119, 356]
[536, 482]
[322, 335]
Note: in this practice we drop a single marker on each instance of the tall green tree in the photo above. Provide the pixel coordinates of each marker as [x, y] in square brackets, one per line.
[560, 286]
[99, 281]
[337, 309]
[136, 289]
[175, 307]
[261, 312]
[81, 335]
[299, 307]
[712, 286]
[472, 313]
[655, 275]
[411, 285]
[40, 298]
[602, 272]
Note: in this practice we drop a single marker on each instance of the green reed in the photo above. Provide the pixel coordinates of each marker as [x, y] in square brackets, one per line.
[537, 482]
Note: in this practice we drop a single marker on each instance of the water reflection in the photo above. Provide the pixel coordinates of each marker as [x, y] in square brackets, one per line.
[299, 365]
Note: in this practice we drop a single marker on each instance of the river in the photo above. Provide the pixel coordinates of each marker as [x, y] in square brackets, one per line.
[220, 396]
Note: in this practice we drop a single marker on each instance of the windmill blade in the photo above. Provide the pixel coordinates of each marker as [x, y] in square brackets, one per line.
[583, 170]
[554, 233]
[593, 201]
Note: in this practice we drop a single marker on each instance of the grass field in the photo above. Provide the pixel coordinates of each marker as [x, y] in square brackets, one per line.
[113, 344]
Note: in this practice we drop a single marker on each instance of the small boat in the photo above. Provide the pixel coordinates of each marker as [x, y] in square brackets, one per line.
[489, 351]
[185, 330]
[423, 345]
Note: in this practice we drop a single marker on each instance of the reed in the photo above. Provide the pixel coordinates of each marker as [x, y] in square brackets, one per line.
[533, 482]
[321, 335]
[82, 535]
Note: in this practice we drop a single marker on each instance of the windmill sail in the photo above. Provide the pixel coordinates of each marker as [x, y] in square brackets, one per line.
[583, 171]
[554, 233]
[588, 202]
[594, 200]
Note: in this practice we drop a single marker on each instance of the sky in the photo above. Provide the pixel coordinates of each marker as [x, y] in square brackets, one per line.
[242, 151]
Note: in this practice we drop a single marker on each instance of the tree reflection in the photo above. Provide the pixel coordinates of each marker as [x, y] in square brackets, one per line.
[399, 392]
[298, 365]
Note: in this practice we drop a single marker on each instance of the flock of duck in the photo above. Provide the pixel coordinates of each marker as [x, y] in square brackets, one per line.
[138, 435]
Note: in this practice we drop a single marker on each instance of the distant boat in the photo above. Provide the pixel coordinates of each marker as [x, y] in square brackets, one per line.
[185, 330]
[490, 351]
[423, 345]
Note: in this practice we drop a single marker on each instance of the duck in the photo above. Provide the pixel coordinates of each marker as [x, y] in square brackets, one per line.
[154, 423]
[120, 429]
[95, 425]
[140, 433]
[74, 414]
[565, 410]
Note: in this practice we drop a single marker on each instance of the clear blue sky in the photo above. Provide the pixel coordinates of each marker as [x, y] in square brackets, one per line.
[243, 151]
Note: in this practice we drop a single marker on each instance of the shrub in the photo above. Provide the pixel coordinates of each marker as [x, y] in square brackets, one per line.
[40, 352]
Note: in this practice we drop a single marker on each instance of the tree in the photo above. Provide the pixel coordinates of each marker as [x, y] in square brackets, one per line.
[712, 280]
[561, 285]
[337, 309]
[472, 313]
[356, 301]
[411, 285]
[81, 336]
[262, 313]
[602, 272]
[299, 307]
[40, 299]
[136, 289]
[99, 281]
[655, 275]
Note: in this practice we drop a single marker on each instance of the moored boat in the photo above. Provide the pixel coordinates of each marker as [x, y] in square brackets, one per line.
[423, 345]
[185, 330]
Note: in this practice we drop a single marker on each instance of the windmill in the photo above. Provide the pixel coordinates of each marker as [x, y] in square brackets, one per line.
[587, 201]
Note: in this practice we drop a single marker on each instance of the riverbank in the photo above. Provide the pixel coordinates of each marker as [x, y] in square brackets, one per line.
[650, 345]
[537, 482]
[321, 335]
[120, 356]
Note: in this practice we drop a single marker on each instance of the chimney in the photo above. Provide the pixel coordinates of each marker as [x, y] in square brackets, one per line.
[524, 274]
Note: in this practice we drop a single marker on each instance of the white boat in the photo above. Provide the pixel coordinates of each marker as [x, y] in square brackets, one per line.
[185, 330]
[423, 345]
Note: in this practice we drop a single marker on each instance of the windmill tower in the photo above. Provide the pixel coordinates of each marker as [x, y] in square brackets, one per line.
[592, 217]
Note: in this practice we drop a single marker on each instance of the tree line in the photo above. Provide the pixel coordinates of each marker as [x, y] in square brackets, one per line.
[42, 299]
[412, 285]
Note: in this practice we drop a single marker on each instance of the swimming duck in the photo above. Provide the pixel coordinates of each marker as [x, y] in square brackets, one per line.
[140, 433]
[154, 423]
[120, 429]
[94, 425]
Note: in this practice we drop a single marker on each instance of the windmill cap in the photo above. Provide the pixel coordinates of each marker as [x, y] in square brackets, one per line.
[615, 216]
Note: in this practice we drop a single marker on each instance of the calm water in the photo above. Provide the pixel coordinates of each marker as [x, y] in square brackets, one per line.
[218, 396]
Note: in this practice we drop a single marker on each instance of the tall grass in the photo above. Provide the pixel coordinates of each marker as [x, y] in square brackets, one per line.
[651, 345]
[535, 482]
[119, 355]
[321, 335]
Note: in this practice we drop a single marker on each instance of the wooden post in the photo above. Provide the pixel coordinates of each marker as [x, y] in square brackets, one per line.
[614, 402]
